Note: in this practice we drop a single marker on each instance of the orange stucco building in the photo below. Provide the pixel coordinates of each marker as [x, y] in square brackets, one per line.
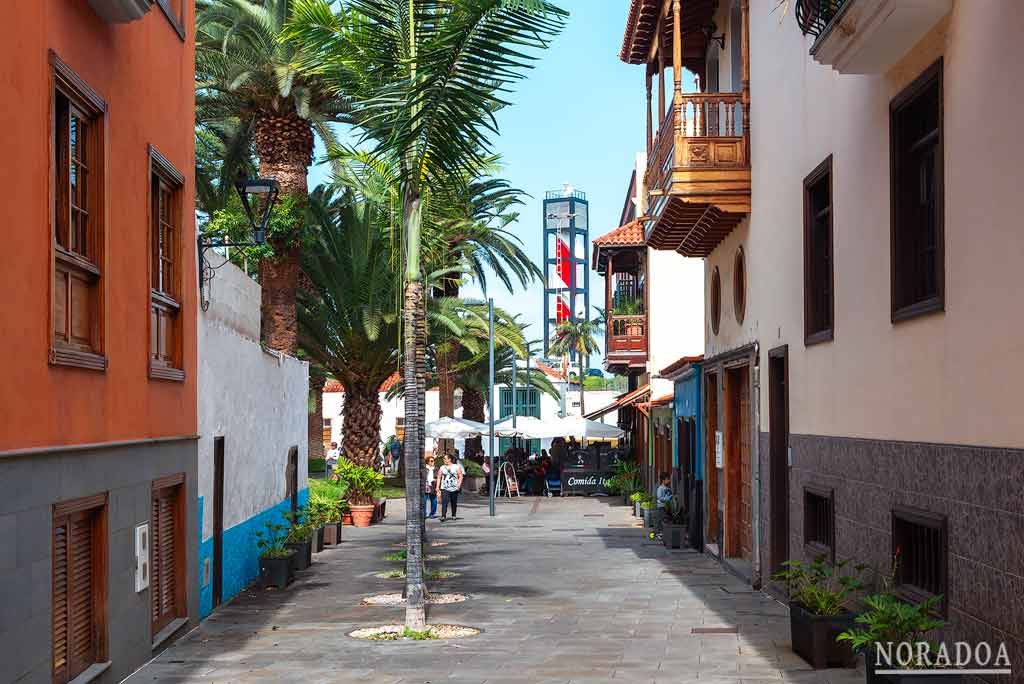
[98, 333]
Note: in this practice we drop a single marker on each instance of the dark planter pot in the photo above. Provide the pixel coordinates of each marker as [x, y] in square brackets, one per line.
[814, 637]
[625, 500]
[318, 540]
[871, 678]
[303, 556]
[673, 535]
[383, 509]
[276, 572]
[332, 534]
[648, 514]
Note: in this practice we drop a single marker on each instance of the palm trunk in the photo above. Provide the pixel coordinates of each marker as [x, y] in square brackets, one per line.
[582, 409]
[473, 405]
[361, 421]
[415, 589]
[447, 357]
[315, 426]
[284, 145]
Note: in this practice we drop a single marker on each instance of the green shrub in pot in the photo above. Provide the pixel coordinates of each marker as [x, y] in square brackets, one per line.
[276, 564]
[820, 592]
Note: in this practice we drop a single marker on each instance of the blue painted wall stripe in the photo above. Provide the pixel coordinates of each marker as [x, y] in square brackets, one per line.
[241, 556]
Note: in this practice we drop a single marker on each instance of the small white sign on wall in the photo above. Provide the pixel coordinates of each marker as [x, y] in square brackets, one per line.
[141, 556]
[719, 459]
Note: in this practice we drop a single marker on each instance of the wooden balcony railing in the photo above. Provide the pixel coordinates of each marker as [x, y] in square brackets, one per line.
[709, 135]
[627, 334]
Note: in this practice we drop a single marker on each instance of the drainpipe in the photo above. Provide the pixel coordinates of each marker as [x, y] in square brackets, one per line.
[755, 463]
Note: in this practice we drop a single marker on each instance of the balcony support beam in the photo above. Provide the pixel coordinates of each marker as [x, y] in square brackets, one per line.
[677, 66]
[650, 126]
[745, 95]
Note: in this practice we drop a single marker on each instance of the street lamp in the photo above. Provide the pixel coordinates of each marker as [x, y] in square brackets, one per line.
[258, 196]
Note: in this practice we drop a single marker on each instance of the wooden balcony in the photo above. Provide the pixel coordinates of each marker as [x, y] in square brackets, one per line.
[626, 343]
[698, 174]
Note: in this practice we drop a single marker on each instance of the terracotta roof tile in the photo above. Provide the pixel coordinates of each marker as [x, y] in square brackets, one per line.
[679, 363]
[629, 235]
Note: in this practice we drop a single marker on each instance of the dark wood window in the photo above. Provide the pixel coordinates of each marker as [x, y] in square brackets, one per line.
[819, 298]
[167, 551]
[919, 542]
[165, 321]
[918, 269]
[77, 183]
[820, 521]
[79, 586]
[739, 285]
[715, 304]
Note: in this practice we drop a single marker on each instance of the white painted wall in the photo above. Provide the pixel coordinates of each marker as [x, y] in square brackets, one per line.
[391, 410]
[676, 320]
[950, 377]
[255, 399]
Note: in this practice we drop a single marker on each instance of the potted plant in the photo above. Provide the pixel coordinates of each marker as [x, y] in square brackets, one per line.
[326, 510]
[320, 509]
[362, 485]
[276, 565]
[300, 539]
[646, 509]
[673, 525]
[636, 498]
[346, 513]
[889, 622]
[819, 592]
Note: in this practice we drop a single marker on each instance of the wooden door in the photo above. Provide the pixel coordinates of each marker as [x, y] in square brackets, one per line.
[218, 521]
[778, 467]
[292, 477]
[712, 528]
[738, 490]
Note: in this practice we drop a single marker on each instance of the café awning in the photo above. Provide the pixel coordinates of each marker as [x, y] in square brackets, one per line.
[454, 428]
[627, 399]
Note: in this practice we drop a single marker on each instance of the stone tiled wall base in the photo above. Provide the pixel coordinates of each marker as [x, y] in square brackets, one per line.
[241, 555]
[980, 490]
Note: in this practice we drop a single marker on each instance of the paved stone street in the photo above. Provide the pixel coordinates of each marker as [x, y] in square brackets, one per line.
[566, 590]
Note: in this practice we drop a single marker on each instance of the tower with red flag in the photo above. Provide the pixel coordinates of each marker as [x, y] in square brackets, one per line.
[566, 258]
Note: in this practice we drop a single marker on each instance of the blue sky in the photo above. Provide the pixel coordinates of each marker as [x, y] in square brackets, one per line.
[577, 118]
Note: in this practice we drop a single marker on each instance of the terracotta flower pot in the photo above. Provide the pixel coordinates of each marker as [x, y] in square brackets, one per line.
[362, 514]
[332, 534]
[346, 518]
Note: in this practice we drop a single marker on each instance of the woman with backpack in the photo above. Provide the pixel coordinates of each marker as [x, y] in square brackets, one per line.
[449, 484]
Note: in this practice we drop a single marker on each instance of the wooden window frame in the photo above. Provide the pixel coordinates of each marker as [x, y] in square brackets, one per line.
[175, 482]
[715, 300]
[815, 547]
[80, 96]
[905, 311]
[817, 334]
[938, 523]
[161, 170]
[61, 514]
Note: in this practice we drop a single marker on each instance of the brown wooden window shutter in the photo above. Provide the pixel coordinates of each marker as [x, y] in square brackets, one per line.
[167, 549]
[77, 189]
[79, 586]
[165, 344]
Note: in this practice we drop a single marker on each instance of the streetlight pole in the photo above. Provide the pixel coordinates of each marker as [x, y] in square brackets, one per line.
[490, 405]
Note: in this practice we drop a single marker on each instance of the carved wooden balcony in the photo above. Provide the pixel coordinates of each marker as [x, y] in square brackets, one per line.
[626, 343]
[698, 174]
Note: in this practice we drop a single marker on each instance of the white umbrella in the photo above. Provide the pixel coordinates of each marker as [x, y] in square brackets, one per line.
[581, 428]
[454, 428]
[528, 427]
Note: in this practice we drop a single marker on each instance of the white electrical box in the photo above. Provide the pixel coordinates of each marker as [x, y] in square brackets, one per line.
[141, 556]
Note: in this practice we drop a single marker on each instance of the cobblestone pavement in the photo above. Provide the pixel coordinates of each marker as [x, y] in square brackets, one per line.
[565, 590]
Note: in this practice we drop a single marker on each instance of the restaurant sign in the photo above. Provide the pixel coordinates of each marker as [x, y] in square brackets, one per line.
[585, 483]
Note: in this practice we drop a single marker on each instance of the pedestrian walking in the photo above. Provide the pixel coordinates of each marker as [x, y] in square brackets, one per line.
[429, 487]
[331, 460]
[449, 484]
[661, 497]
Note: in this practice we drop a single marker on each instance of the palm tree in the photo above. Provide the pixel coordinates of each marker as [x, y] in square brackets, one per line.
[348, 319]
[426, 79]
[249, 89]
[578, 337]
